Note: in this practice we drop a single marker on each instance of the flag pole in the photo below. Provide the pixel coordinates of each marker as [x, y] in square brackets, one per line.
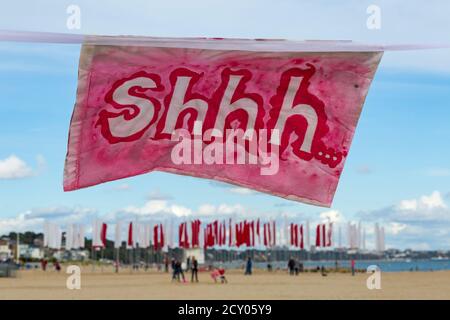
[18, 248]
[130, 258]
[117, 259]
[92, 255]
[102, 256]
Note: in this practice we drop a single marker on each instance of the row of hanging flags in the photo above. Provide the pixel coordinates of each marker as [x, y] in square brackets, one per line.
[192, 234]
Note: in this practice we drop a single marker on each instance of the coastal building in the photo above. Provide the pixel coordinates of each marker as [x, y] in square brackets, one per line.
[5, 251]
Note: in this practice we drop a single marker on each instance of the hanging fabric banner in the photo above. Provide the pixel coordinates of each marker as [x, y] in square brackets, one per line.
[271, 116]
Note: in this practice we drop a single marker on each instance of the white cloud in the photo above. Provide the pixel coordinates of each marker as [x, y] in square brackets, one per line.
[157, 207]
[332, 216]
[206, 209]
[223, 209]
[425, 202]
[19, 223]
[395, 228]
[33, 220]
[432, 201]
[180, 211]
[230, 209]
[161, 209]
[408, 204]
[14, 168]
[150, 207]
[415, 223]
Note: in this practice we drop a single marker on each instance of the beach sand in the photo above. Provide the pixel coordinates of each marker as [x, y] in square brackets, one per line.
[36, 284]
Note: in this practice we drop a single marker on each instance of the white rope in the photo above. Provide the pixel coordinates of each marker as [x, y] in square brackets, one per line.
[212, 43]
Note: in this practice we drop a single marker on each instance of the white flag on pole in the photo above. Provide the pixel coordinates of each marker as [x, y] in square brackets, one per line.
[307, 236]
[69, 237]
[118, 235]
[46, 233]
[96, 233]
[81, 236]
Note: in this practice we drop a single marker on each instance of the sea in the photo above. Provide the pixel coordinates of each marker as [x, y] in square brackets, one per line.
[383, 265]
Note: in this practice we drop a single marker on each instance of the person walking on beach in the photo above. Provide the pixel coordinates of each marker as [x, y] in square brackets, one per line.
[323, 271]
[291, 265]
[296, 267]
[179, 271]
[188, 263]
[194, 270]
[166, 264]
[57, 266]
[44, 264]
[248, 267]
[173, 265]
[353, 267]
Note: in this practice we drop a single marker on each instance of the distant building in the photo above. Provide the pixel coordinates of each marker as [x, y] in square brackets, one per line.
[35, 253]
[38, 242]
[5, 251]
[23, 250]
[72, 255]
[30, 252]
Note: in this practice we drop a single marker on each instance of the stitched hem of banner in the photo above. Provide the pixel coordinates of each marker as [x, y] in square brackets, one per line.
[72, 165]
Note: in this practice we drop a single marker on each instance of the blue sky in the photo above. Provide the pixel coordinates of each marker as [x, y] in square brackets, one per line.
[398, 169]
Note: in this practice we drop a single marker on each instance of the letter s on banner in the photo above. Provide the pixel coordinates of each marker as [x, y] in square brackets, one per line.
[138, 110]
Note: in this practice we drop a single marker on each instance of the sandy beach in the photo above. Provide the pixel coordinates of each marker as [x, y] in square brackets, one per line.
[36, 284]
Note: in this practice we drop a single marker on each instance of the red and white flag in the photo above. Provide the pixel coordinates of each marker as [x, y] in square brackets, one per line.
[103, 234]
[330, 235]
[319, 236]
[170, 104]
[130, 242]
[324, 235]
[301, 245]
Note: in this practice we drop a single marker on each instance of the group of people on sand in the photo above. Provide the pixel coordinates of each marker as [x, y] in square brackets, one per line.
[178, 273]
[56, 264]
[294, 267]
[217, 274]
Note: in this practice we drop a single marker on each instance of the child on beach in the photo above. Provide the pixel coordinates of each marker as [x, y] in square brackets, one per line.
[57, 266]
[219, 274]
[44, 264]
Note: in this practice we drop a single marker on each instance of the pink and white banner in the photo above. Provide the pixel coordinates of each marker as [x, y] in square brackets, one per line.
[278, 121]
